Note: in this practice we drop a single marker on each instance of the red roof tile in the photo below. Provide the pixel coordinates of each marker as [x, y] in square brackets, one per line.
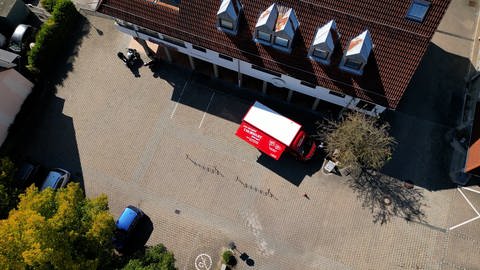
[399, 44]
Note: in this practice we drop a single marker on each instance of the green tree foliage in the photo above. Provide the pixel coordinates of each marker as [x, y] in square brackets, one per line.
[359, 141]
[48, 4]
[8, 192]
[155, 258]
[51, 37]
[57, 230]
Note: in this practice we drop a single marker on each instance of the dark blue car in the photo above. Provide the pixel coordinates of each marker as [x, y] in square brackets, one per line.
[125, 225]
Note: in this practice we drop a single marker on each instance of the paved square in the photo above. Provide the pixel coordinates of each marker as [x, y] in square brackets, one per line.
[167, 145]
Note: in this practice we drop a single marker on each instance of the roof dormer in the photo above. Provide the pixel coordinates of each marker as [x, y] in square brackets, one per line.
[324, 42]
[276, 27]
[228, 16]
[356, 56]
[266, 25]
[285, 28]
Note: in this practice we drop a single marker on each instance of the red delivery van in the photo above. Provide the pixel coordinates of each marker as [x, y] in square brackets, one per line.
[273, 134]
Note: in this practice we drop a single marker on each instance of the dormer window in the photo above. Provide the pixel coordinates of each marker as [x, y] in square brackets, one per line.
[350, 63]
[266, 37]
[228, 16]
[227, 24]
[417, 10]
[281, 42]
[265, 25]
[324, 42]
[320, 54]
[357, 54]
[278, 22]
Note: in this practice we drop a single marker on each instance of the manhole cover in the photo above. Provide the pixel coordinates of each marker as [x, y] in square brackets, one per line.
[387, 200]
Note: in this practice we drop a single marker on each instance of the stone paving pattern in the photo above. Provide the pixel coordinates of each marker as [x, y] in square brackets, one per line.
[134, 149]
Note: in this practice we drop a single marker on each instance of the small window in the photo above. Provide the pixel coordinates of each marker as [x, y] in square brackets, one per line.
[264, 36]
[353, 64]
[148, 32]
[417, 11]
[198, 48]
[228, 58]
[281, 42]
[365, 105]
[321, 54]
[227, 24]
[311, 85]
[175, 41]
[333, 93]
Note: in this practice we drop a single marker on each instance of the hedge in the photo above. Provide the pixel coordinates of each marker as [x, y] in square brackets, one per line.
[51, 37]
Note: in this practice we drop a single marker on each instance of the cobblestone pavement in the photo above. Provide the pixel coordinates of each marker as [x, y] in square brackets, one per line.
[167, 145]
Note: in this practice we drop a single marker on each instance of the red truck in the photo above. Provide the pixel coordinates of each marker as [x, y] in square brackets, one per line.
[273, 134]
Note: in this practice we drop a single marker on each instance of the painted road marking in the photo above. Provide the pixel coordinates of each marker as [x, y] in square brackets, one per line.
[181, 94]
[203, 262]
[206, 110]
[471, 205]
[471, 189]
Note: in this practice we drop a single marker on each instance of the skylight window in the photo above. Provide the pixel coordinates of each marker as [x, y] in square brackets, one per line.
[417, 11]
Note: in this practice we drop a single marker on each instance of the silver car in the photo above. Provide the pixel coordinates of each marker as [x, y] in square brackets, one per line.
[56, 178]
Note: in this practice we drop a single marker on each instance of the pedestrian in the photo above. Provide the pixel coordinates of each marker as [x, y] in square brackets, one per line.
[306, 196]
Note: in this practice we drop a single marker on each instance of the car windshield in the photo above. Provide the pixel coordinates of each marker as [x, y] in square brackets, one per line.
[51, 180]
[14, 46]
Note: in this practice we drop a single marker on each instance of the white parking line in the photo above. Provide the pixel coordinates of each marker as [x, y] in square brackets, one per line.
[468, 201]
[470, 189]
[181, 94]
[463, 223]
[206, 110]
[471, 205]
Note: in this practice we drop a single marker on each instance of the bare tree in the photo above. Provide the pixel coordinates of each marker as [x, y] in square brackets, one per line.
[359, 141]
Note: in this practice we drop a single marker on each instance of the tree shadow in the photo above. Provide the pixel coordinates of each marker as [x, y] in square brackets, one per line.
[387, 197]
[63, 65]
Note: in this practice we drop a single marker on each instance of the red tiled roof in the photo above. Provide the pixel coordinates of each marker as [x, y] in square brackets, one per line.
[399, 44]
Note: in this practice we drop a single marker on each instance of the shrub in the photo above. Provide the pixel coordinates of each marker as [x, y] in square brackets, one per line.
[48, 4]
[227, 257]
[51, 37]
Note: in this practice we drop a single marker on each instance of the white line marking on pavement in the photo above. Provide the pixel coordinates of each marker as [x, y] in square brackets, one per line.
[470, 189]
[181, 94]
[463, 223]
[206, 110]
[468, 201]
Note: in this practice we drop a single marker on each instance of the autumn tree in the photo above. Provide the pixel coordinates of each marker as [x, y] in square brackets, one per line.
[8, 192]
[57, 230]
[359, 141]
[156, 257]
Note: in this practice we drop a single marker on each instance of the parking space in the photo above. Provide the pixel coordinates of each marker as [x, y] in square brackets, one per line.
[165, 142]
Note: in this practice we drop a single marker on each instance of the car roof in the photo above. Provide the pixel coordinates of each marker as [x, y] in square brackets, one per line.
[52, 179]
[19, 32]
[126, 218]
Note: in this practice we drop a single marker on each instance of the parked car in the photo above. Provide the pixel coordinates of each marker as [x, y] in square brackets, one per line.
[125, 225]
[26, 174]
[56, 178]
[21, 38]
